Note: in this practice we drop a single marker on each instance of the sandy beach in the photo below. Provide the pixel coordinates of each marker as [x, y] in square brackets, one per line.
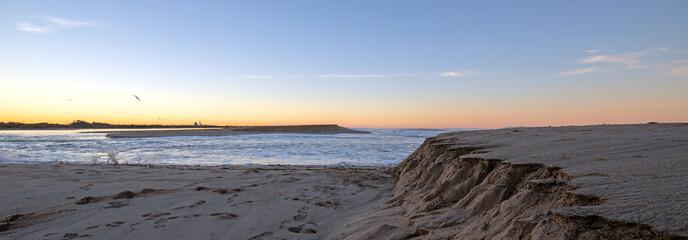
[184, 202]
[587, 182]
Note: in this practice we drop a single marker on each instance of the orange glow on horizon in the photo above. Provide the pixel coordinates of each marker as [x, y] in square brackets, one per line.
[394, 119]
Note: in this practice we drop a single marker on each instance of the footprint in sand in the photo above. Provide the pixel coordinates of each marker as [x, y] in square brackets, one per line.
[242, 203]
[221, 190]
[114, 224]
[199, 203]
[224, 215]
[298, 228]
[231, 199]
[160, 221]
[301, 214]
[154, 215]
[285, 224]
[68, 235]
[116, 204]
[302, 229]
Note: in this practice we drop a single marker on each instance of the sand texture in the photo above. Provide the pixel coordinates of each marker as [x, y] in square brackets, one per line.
[179, 202]
[308, 129]
[590, 182]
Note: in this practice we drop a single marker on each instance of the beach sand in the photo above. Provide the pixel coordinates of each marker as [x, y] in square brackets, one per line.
[184, 202]
[586, 182]
[581, 182]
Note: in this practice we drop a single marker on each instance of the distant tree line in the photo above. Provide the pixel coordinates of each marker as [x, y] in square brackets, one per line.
[81, 124]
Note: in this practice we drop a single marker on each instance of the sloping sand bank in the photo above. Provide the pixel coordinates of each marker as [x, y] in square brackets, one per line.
[181, 202]
[591, 182]
[309, 129]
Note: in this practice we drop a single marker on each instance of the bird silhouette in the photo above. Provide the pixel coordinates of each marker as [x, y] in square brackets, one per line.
[137, 98]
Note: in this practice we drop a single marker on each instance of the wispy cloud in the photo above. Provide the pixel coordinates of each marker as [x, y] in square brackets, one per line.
[630, 59]
[459, 74]
[49, 24]
[30, 28]
[681, 72]
[254, 76]
[355, 75]
[592, 51]
[578, 71]
[67, 23]
[626, 61]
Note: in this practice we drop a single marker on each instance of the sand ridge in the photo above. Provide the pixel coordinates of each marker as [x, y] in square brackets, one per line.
[227, 131]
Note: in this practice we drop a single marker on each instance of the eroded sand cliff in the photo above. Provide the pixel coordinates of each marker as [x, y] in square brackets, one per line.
[592, 182]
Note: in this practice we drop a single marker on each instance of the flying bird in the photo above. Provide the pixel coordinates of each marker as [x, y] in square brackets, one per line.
[137, 98]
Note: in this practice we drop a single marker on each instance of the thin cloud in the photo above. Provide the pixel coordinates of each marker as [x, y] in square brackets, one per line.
[254, 76]
[458, 74]
[681, 72]
[628, 61]
[677, 68]
[30, 28]
[67, 23]
[592, 51]
[51, 24]
[579, 71]
[354, 75]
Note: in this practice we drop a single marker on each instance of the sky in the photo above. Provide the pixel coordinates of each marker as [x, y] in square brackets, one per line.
[396, 64]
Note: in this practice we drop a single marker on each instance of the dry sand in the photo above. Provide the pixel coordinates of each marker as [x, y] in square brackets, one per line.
[589, 182]
[182, 202]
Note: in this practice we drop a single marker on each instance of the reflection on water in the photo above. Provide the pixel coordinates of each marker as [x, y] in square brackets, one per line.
[381, 147]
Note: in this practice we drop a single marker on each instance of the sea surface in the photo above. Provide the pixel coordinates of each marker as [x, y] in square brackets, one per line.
[382, 147]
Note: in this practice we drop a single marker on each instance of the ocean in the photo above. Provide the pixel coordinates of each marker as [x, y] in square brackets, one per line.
[382, 147]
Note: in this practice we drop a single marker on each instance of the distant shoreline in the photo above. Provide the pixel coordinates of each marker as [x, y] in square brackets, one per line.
[80, 124]
[306, 129]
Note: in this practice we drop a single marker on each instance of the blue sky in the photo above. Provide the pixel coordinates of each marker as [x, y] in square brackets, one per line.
[360, 63]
